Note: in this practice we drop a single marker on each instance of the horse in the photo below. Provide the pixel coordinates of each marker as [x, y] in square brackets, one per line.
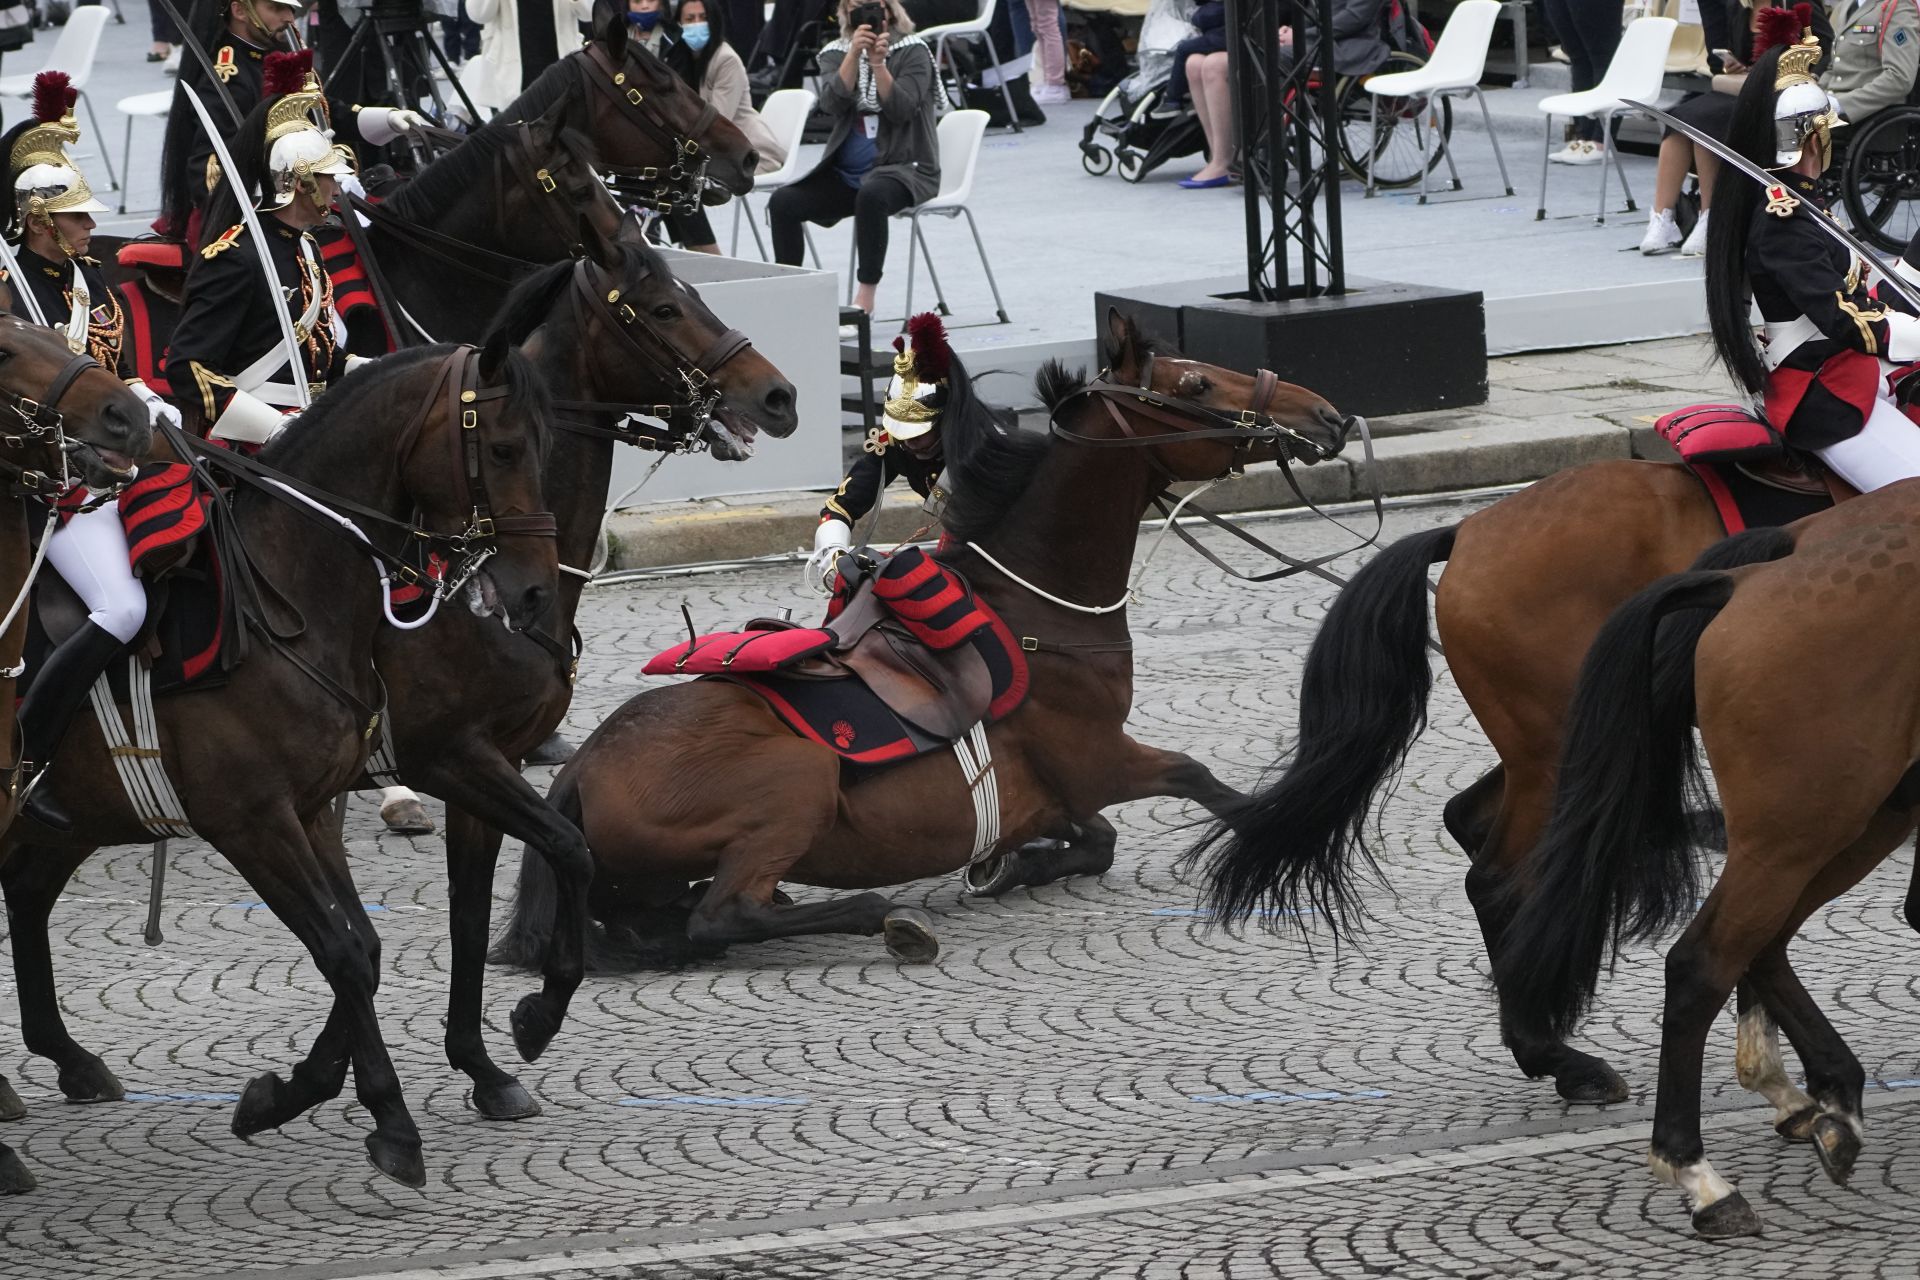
[439, 446]
[1808, 704]
[1044, 527]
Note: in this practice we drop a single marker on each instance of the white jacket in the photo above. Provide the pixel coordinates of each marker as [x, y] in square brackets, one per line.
[493, 78]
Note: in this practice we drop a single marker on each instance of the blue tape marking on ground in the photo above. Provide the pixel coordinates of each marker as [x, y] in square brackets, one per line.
[702, 1100]
[368, 907]
[1305, 1095]
[1898, 1084]
[183, 1097]
[1204, 914]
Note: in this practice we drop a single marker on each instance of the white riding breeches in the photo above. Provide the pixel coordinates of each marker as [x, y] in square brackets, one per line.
[1887, 449]
[91, 554]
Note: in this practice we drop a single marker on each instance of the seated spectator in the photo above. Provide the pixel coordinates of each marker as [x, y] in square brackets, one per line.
[1213, 103]
[497, 75]
[1359, 38]
[1874, 59]
[877, 85]
[716, 70]
[1210, 25]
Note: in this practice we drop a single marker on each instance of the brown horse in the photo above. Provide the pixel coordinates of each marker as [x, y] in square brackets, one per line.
[1807, 698]
[1032, 521]
[442, 443]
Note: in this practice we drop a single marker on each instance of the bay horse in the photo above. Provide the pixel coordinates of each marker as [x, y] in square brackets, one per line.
[1800, 676]
[442, 445]
[1032, 521]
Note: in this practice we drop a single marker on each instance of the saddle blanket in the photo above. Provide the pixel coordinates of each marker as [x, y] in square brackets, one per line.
[1744, 465]
[1746, 500]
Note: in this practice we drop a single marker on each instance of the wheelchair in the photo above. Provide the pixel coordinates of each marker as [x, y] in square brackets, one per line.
[1876, 176]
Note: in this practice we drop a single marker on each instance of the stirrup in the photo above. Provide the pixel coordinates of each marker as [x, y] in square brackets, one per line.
[39, 808]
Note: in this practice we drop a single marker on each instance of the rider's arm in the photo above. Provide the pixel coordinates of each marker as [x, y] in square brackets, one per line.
[1899, 41]
[1801, 263]
[219, 296]
[856, 494]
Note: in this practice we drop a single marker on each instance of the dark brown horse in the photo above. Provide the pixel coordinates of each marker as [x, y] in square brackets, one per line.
[1032, 521]
[443, 439]
[1807, 696]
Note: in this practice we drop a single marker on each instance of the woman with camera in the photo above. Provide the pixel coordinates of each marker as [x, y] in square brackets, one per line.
[877, 83]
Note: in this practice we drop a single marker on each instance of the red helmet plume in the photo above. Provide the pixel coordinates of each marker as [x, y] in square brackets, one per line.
[285, 73]
[932, 357]
[53, 94]
[1780, 28]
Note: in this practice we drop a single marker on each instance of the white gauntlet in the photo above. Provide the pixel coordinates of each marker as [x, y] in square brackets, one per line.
[829, 540]
[249, 419]
[381, 125]
[158, 410]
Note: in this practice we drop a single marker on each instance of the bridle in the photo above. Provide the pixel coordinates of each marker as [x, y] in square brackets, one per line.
[39, 423]
[677, 185]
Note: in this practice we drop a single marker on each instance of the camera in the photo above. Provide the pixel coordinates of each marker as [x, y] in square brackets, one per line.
[867, 15]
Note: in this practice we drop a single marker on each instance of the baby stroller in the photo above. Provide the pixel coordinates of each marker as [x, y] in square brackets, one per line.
[1123, 127]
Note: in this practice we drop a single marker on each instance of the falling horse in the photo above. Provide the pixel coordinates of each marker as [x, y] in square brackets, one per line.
[466, 698]
[440, 446]
[1802, 678]
[1043, 528]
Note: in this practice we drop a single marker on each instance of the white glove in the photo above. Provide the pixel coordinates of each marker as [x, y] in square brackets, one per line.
[158, 410]
[358, 362]
[381, 125]
[250, 420]
[829, 540]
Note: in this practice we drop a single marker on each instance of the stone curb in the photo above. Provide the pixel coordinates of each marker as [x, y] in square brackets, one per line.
[1427, 462]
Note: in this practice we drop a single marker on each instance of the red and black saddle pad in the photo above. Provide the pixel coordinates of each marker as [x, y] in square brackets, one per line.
[1720, 433]
[163, 510]
[933, 602]
[351, 290]
[759, 648]
[1746, 500]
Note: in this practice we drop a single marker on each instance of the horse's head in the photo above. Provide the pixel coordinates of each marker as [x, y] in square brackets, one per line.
[474, 473]
[648, 121]
[1262, 414]
[51, 400]
[556, 184]
[674, 350]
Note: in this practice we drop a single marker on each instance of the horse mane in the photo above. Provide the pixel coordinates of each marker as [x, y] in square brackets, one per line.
[533, 299]
[1056, 384]
[990, 460]
[452, 177]
[548, 88]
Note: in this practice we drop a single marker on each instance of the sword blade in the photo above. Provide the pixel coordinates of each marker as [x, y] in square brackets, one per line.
[21, 288]
[1801, 208]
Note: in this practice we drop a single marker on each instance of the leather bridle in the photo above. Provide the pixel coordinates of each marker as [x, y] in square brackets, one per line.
[676, 185]
[40, 422]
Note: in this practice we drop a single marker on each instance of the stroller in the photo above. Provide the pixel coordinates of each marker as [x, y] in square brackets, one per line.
[1122, 128]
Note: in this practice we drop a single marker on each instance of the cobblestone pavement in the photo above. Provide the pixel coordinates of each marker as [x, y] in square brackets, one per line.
[1090, 1082]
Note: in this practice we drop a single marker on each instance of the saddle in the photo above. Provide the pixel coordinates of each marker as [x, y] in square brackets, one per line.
[908, 661]
[1753, 477]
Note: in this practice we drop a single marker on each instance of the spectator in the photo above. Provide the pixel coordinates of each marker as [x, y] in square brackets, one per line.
[721, 77]
[654, 29]
[980, 85]
[165, 34]
[504, 67]
[1589, 31]
[459, 34]
[1359, 38]
[877, 85]
[1049, 52]
[1210, 26]
[1875, 58]
[1213, 103]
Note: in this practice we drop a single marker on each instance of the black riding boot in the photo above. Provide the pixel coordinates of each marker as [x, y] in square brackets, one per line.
[59, 690]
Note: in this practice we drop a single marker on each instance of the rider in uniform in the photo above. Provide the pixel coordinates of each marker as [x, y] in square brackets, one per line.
[46, 212]
[906, 445]
[1831, 338]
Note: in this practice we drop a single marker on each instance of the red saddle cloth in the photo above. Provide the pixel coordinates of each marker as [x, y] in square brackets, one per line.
[1744, 465]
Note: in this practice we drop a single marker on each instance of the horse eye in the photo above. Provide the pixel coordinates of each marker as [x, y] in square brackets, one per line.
[504, 454]
[665, 311]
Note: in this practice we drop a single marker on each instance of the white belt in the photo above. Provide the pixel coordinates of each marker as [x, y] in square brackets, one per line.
[1785, 338]
[254, 378]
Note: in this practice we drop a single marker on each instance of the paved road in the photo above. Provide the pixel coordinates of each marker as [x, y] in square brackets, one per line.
[1089, 1083]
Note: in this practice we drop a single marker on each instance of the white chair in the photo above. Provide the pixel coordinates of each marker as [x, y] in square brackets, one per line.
[939, 37]
[960, 134]
[73, 53]
[151, 106]
[1459, 60]
[1635, 73]
[785, 116]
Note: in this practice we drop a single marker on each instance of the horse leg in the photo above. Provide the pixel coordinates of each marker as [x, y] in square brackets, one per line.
[269, 1102]
[1145, 771]
[32, 880]
[472, 848]
[1759, 1067]
[15, 1179]
[1084, 848]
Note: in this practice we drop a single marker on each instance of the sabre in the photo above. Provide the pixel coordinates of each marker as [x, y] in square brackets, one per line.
[1800, 207]
[22, 290]
[296, 367]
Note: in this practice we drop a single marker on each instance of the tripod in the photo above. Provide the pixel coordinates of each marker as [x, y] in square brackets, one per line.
[406, 50]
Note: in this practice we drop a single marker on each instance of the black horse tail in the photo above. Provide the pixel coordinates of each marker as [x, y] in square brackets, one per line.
[1616, 859]
[522, 942]
[1291, 847]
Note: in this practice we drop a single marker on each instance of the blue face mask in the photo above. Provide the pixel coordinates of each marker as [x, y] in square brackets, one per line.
[645, 21]
[695, 34]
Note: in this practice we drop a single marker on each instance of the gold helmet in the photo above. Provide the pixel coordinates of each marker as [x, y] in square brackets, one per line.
[1803, 112]
[299, 141]
[45, 179]
[918, 391]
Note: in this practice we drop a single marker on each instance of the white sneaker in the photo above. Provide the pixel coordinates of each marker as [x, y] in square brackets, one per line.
[1663, 233]
[1696, 245]
[1579, 151]
[1051, 95]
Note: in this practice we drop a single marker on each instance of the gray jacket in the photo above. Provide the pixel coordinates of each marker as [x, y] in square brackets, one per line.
[1875, 57]
[906, 147]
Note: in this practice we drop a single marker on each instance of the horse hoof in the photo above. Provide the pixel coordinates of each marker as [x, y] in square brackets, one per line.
[15, 1180]
[1837, 1145]
[398, 1158]
[1798, 1127]
[11, 1108]
[909, 935]
[90, 1081]
[1727, 1219]
[533, 1027]
[506, 1101]
[406, 817]
[259, 1107]
[989, 879]
[555, 750]
[1591, 1082]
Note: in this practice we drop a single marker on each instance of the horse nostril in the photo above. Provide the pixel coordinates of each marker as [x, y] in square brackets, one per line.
[779, 401]
[751, 163]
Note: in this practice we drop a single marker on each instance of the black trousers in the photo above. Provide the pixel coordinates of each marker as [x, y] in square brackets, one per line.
[1589, 31]
[821, 197]
[691, 228]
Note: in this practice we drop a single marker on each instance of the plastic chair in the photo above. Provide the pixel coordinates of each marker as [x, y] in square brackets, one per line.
[1459, 60]
[73, 53]
[940, 35]
[785, 115]
[960, 134]
[1638, 66]
[152, 106]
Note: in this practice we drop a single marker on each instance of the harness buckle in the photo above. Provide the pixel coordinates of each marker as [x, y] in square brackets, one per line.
[408, 575]
[29, 409]
[547, 184]
[635, 97]
[1029, 644]
[469, 419]
[626, 313]
[696, 377]
[32, 481]
[482, 527]
[1248, 418]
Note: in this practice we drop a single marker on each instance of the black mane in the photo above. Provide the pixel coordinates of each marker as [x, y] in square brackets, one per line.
[532, 300]
[990, 460]
[452, 177]
[548, 88]
[1056, 384]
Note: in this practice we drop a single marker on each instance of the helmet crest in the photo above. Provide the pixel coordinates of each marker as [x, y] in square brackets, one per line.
[285, 73]
[53, 96]
[1780, 28]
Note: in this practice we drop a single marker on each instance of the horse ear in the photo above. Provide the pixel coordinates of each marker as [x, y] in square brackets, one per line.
[596, 246]
[613, 34]
[1119, 338]
[493, 357]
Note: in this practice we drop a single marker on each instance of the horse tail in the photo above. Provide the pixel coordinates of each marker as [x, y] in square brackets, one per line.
[522, 942]
[1291, 846]
[1616, 859]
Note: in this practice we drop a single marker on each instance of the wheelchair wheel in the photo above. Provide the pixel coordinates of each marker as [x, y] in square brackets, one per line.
[1881, 182]
[1392, 137]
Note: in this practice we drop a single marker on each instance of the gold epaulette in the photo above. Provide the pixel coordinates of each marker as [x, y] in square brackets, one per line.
[225, 241]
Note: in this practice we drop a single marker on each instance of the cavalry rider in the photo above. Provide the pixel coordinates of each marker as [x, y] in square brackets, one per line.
[906, 444]
[1830, 337]
[228, 357]
[46, 211]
